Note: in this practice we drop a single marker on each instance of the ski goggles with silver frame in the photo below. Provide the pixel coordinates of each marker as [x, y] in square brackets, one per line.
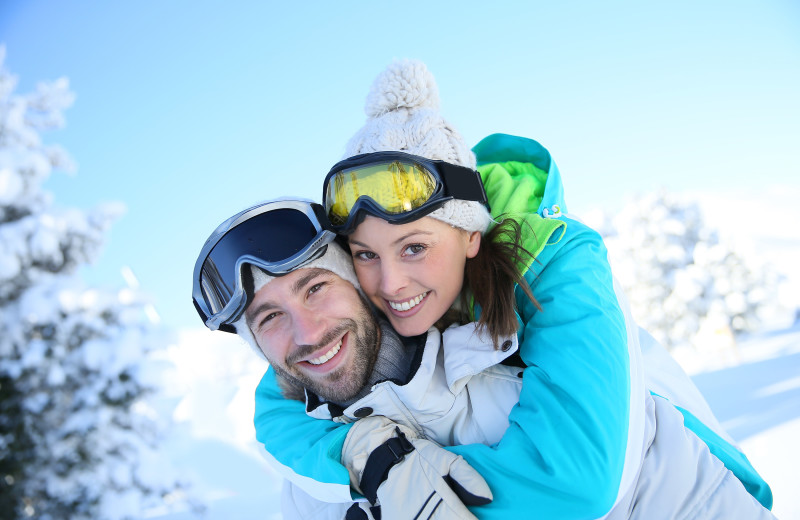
[395, 186]
[277, 236]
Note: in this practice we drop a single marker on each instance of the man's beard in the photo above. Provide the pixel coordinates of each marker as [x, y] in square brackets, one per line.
[344, 382]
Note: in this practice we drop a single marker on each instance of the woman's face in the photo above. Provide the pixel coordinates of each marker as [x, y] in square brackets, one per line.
[412, 272]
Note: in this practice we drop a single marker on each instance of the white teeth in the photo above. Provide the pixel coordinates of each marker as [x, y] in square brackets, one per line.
[325, 357]
[410, 304]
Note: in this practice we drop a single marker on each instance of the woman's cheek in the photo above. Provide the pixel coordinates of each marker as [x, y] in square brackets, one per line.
[370, 283]
[365, 277]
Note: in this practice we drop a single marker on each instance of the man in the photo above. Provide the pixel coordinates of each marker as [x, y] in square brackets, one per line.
[299, 307]
[315, 330]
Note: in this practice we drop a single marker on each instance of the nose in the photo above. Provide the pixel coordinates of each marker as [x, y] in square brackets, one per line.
[393, 279]
[309, 327]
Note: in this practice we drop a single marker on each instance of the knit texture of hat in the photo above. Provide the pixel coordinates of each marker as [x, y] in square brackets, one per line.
[335, 260]
[403, 115]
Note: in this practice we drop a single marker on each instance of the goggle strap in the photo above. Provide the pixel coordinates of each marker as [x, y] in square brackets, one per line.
[462, 183]
[322, 217]
[200, 311]
[224, 327]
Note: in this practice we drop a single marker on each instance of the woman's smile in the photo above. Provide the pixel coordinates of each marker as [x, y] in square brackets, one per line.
[407, 305]
[413, 272]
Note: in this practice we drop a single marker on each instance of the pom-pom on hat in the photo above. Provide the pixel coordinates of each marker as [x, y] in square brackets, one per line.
[335, 260]
[403, 115]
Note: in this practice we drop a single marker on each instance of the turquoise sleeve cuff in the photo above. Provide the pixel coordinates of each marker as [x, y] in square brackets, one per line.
[311, 447]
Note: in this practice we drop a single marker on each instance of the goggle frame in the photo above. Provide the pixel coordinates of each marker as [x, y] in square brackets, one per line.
[204, 281]
[453, 182]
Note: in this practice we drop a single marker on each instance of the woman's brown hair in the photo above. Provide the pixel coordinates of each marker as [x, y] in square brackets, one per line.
[492, 275]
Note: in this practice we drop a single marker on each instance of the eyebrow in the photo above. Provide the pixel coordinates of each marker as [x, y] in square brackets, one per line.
[296, 287]
[304, 280]
[251, 315]
[401, 239]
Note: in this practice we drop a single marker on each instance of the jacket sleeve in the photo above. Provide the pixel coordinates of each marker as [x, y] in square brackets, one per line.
[298, 505]
[565, 448]
[304, 450]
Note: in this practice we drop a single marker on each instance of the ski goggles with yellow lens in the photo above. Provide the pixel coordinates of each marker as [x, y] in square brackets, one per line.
[395, 186]
[277, 236]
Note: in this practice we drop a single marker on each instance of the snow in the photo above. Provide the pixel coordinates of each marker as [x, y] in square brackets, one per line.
[10, 185]
[758, 402]
[754, 390]
[210, 390]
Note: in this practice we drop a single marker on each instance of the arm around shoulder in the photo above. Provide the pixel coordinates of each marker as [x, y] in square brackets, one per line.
[304, 450]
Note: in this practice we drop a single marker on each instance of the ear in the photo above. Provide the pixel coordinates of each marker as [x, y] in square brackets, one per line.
[473, 244]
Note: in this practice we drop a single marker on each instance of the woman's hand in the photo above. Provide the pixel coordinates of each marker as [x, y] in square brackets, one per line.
[407, 476]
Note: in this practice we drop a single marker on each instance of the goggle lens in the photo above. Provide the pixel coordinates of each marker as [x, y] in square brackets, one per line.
[397, 187]
[273, 237]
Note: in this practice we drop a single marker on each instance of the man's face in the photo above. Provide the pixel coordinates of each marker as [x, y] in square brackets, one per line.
[317, 331]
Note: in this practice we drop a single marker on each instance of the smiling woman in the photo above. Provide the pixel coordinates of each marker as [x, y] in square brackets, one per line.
[412, 272]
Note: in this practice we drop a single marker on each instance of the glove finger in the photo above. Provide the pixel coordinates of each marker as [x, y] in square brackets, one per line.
[466, 495]
[435, 507]
[446, 502]
[467, 483]
[445, 508]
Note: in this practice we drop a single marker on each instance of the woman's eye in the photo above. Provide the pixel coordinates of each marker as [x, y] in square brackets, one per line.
[364, 255]
[414, 249]
[316, 287]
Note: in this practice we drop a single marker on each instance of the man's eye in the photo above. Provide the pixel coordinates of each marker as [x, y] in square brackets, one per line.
[316, 287]
[269, 317]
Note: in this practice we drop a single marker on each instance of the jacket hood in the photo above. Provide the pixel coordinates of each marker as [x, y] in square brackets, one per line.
[505, 149]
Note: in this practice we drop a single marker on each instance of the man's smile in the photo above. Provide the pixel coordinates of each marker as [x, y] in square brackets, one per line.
[327, 356]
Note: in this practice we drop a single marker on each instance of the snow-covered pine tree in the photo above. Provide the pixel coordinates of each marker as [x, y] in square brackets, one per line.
[77, 438]
[685, 285]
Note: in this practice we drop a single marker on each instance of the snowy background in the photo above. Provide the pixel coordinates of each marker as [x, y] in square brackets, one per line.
[176, 99]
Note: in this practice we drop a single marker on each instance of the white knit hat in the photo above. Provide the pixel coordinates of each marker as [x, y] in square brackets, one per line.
[335, 260]
[403, 115]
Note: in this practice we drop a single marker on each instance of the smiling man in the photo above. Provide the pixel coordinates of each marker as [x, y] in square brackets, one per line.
[316, 329]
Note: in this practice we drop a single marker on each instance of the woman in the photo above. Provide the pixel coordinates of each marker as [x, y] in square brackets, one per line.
[577, 440]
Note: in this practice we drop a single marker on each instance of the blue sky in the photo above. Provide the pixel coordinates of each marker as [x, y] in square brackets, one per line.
[190, 111]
